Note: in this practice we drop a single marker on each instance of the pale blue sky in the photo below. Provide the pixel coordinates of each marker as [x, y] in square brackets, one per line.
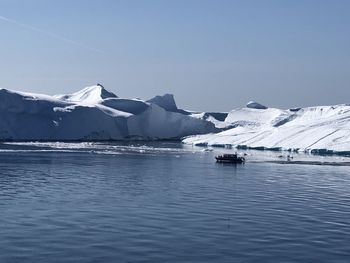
[212, 55]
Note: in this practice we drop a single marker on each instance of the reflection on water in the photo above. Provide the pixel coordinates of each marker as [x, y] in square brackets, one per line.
[162, 202]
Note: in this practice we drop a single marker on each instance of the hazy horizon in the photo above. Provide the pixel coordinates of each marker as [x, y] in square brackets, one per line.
[212, 55]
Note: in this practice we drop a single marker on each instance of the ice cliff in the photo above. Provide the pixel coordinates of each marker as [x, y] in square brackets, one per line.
[321, 129]
[93, 113]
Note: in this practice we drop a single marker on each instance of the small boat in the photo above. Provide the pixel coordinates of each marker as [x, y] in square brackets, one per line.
[229, 158]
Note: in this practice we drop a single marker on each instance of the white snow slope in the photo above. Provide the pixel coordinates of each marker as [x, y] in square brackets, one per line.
[90, 114]
[321, 129]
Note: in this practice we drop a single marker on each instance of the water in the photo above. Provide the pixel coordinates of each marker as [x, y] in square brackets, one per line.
[163, 202]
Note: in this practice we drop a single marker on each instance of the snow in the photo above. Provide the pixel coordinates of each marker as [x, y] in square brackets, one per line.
[313, 129]
[88, 95]
[257, 117]
[217, 118]
[92, 113]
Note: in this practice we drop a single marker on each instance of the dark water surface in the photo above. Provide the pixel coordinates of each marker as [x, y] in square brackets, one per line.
[165, 203]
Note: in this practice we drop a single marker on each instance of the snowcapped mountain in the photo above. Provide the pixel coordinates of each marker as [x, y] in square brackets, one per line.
[321, 129]
[93, 113]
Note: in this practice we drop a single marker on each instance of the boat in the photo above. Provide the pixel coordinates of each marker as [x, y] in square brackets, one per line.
[229, 158]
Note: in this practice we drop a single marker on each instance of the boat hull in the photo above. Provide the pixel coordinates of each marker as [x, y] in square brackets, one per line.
[223, 160]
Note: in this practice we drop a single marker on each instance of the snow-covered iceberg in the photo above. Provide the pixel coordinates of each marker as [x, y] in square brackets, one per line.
[92, 114]
[321, 129]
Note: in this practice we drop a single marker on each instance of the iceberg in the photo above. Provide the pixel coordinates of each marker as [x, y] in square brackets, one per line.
[96, 114]
[320, 129]
[256, 105]
[93, 113]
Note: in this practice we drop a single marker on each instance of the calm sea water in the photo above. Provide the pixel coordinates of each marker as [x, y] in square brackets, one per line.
[162, 202]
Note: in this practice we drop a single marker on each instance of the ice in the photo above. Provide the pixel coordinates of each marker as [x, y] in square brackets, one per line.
[92, 113]
[167, 102]
[88, 95]
[96, 114]
[321, 129]
[217, 118]
[255, 105]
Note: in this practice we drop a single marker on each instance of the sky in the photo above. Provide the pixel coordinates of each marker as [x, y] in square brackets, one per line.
[213, 55]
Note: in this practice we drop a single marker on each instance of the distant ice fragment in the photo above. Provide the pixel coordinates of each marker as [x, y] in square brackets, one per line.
[255, 105]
